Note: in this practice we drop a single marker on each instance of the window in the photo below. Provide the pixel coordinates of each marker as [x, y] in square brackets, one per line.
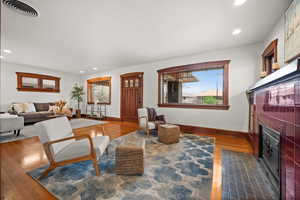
[48, 84]
[202, 85]
[98, 90]
[269, 58]
[28, 82]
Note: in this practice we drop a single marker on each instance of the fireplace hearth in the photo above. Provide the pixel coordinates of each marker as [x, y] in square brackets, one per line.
[270, 155]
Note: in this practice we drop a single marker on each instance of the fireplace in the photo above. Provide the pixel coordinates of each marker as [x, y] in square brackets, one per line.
[274, 104]
[270, 155]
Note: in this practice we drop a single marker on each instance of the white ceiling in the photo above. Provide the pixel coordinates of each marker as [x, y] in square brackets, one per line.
[74, 35]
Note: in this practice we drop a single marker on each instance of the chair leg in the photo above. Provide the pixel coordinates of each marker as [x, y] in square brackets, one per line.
[18, 132]
[46, 172]
[95, 163]
[106, 151]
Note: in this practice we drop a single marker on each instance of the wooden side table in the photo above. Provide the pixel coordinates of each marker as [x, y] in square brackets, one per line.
[168, 133]
[130, 157]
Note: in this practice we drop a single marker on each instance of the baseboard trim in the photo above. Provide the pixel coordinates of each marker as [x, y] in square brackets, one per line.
[198, 129]
[105, 119]
[112, 119]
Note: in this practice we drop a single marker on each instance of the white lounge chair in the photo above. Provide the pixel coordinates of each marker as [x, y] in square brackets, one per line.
[62, 147]
[149, 123]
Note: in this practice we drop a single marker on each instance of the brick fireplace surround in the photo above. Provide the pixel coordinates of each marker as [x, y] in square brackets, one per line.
[276, 104]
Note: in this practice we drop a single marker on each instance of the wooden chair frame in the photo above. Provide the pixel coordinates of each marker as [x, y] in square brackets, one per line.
[53, 164]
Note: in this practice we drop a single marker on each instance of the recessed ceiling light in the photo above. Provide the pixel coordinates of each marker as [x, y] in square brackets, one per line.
[6, 51]
[1, 57]
[81, 71]
[95, 68]
[236, 31]
[239, 2]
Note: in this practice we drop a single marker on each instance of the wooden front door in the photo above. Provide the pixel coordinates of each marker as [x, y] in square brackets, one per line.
[131, 95]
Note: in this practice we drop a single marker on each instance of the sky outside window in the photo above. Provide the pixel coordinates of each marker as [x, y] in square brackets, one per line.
[209, 81]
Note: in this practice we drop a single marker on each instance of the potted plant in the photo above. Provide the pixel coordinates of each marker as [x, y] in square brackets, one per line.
[77, 93]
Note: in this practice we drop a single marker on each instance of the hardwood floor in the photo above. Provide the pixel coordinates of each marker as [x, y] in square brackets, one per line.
[25, 155]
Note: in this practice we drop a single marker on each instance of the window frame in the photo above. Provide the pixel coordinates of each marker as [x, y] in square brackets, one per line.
[270, 51]
[89, 89]
[40, 78]
[224, 64]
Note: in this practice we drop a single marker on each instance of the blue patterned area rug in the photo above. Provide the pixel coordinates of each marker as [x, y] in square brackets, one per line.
[178, 171]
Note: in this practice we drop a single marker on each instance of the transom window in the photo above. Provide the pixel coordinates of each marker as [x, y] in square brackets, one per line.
[28, 82]
[202, 85]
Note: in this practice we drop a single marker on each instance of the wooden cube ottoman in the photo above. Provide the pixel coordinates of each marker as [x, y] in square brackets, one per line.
[130, 157]
[168, 133]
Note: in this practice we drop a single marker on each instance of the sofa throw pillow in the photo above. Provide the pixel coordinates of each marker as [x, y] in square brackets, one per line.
[19, 107]
[29, 107]
[54, 109]
[39, 107]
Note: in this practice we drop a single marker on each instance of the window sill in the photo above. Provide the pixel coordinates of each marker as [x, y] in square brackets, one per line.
[37, 90]
[90, 103]
[212, 107]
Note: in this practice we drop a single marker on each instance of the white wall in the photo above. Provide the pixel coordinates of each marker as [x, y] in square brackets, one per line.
[1, 95]
[243, 72]
[10, 94]
[277, 33]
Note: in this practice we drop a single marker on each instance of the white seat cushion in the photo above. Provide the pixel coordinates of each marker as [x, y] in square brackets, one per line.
[151, 125]
[81, 148]
[55, 129]
[143, 115]
[18, 107]
[142, 112]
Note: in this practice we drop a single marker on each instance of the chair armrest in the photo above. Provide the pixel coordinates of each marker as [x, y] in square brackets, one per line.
[48, 144]
[79, 137]
[144, 117]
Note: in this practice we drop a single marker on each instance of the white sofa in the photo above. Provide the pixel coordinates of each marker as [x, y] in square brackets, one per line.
[11, 123]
